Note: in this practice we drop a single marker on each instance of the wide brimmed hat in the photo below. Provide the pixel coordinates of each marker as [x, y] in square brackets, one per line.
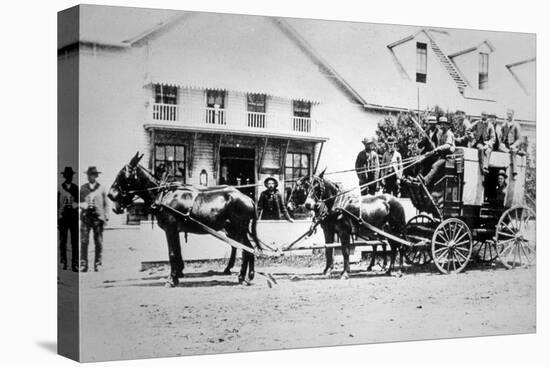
[68, 171]
[492, 115]
[368, 141]
[432, 120]
[502, 173]
[443, 120]
[391, 140]
[271, 178]
[92, 170]
[483, 114]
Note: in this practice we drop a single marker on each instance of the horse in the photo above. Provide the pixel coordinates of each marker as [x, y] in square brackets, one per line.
[330, 205]
[218, 207]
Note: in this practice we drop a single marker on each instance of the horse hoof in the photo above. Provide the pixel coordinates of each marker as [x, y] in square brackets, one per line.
[327, 271]
[227, 271]
[369, 268]
[344, 275]
[251, 275]
[171, 283]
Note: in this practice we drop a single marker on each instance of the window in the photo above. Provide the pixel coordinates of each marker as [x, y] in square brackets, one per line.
[483, 79]
[302, 109]
[421, 62]
[296, 166]
[256, 103]
[166, 94]
[170, 159]
[215, 97]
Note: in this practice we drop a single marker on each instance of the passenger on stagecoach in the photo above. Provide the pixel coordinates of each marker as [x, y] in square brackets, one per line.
[445, 145]
[463, 130]
[393, 168]
[367, 167]
[501, 187]
[428, 143]
[270, 203]
[484, 138]
[509, 140]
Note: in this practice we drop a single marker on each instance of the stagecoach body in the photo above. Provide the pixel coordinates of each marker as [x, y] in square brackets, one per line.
[461, 217]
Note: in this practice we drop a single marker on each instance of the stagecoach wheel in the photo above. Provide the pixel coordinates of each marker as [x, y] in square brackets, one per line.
[515, 237]
[452, 246]
[486, 251]
[418, 255]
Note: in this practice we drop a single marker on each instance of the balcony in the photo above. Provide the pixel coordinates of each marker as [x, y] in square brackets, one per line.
[233, 120]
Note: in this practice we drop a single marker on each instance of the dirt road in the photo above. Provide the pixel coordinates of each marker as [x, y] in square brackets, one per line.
[129, 314]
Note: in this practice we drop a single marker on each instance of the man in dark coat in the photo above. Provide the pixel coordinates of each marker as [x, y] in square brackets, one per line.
[427, 144]
[484, 138]
[501, 188]
[367, 167]
[445, 145]
[270, 203]
[67, 218]
[93, 203]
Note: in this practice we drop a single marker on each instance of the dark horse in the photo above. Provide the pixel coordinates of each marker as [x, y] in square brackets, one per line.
[330, 204]
[220, 208]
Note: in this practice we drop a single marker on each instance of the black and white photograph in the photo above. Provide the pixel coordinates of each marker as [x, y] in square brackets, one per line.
[235, 183]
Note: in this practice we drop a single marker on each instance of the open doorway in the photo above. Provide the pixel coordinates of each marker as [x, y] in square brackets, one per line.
[237, 168]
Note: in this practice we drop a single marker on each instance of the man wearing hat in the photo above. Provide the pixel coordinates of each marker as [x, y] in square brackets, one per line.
[393, 165]
[367, 167]
[510, 140]
[484, 138]
[67, 218]
[428, 143]
[500, 195]
[445, 145]
[463, 127]
[94, 214]
[270, 203]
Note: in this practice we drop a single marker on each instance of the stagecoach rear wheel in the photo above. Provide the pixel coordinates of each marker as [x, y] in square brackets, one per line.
[418, 255]
[452, 246]
[515, 237]
[485, 251]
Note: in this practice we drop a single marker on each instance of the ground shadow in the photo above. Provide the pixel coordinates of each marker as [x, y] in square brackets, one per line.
[48, 345]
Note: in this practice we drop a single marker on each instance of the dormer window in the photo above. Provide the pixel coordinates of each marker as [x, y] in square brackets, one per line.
[421, 62]
[483, 78]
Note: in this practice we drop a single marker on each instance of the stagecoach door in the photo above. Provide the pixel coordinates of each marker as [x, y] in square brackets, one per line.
[237, 168]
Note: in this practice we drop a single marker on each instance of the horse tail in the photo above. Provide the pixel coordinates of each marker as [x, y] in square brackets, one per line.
[253, 233]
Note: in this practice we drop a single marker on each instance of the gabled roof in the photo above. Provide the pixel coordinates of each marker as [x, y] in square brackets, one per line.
[473, 48]
[516, 77]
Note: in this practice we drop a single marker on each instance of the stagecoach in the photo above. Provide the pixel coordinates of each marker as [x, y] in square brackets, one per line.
[462, 217]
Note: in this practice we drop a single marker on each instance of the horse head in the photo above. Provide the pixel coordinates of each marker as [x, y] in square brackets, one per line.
[130, 181]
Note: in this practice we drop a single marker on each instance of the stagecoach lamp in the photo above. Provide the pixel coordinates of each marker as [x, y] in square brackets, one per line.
[203, 178]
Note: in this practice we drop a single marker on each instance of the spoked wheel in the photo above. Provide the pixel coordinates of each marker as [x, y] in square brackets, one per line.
[515, 237]
[485, 251]
[452, 246]
[418, 255]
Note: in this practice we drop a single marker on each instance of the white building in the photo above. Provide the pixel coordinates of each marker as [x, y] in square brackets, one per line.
[229, 98]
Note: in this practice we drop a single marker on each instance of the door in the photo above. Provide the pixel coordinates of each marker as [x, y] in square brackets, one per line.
[237, 168]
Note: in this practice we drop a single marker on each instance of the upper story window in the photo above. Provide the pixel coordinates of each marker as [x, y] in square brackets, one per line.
[302, 109]
[166, 94]
[215, 98]
[256, 103]
[421, 62]
[483, 79]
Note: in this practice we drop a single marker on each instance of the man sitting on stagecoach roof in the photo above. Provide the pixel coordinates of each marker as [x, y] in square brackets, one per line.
[393, 165]
[367, 167]
[445, 145]
[270, 203]
[484, 136]
[428, 143]
[463, 129]
[510, 140]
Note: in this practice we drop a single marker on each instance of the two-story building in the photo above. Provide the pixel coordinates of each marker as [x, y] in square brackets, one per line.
[218, 98]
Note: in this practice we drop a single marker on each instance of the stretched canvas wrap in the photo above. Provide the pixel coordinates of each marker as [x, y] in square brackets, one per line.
[242, 183]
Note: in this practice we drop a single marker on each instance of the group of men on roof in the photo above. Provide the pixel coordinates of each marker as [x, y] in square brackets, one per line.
[487, 134]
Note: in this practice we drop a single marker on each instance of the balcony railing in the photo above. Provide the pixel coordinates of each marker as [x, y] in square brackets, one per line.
[219, 118]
